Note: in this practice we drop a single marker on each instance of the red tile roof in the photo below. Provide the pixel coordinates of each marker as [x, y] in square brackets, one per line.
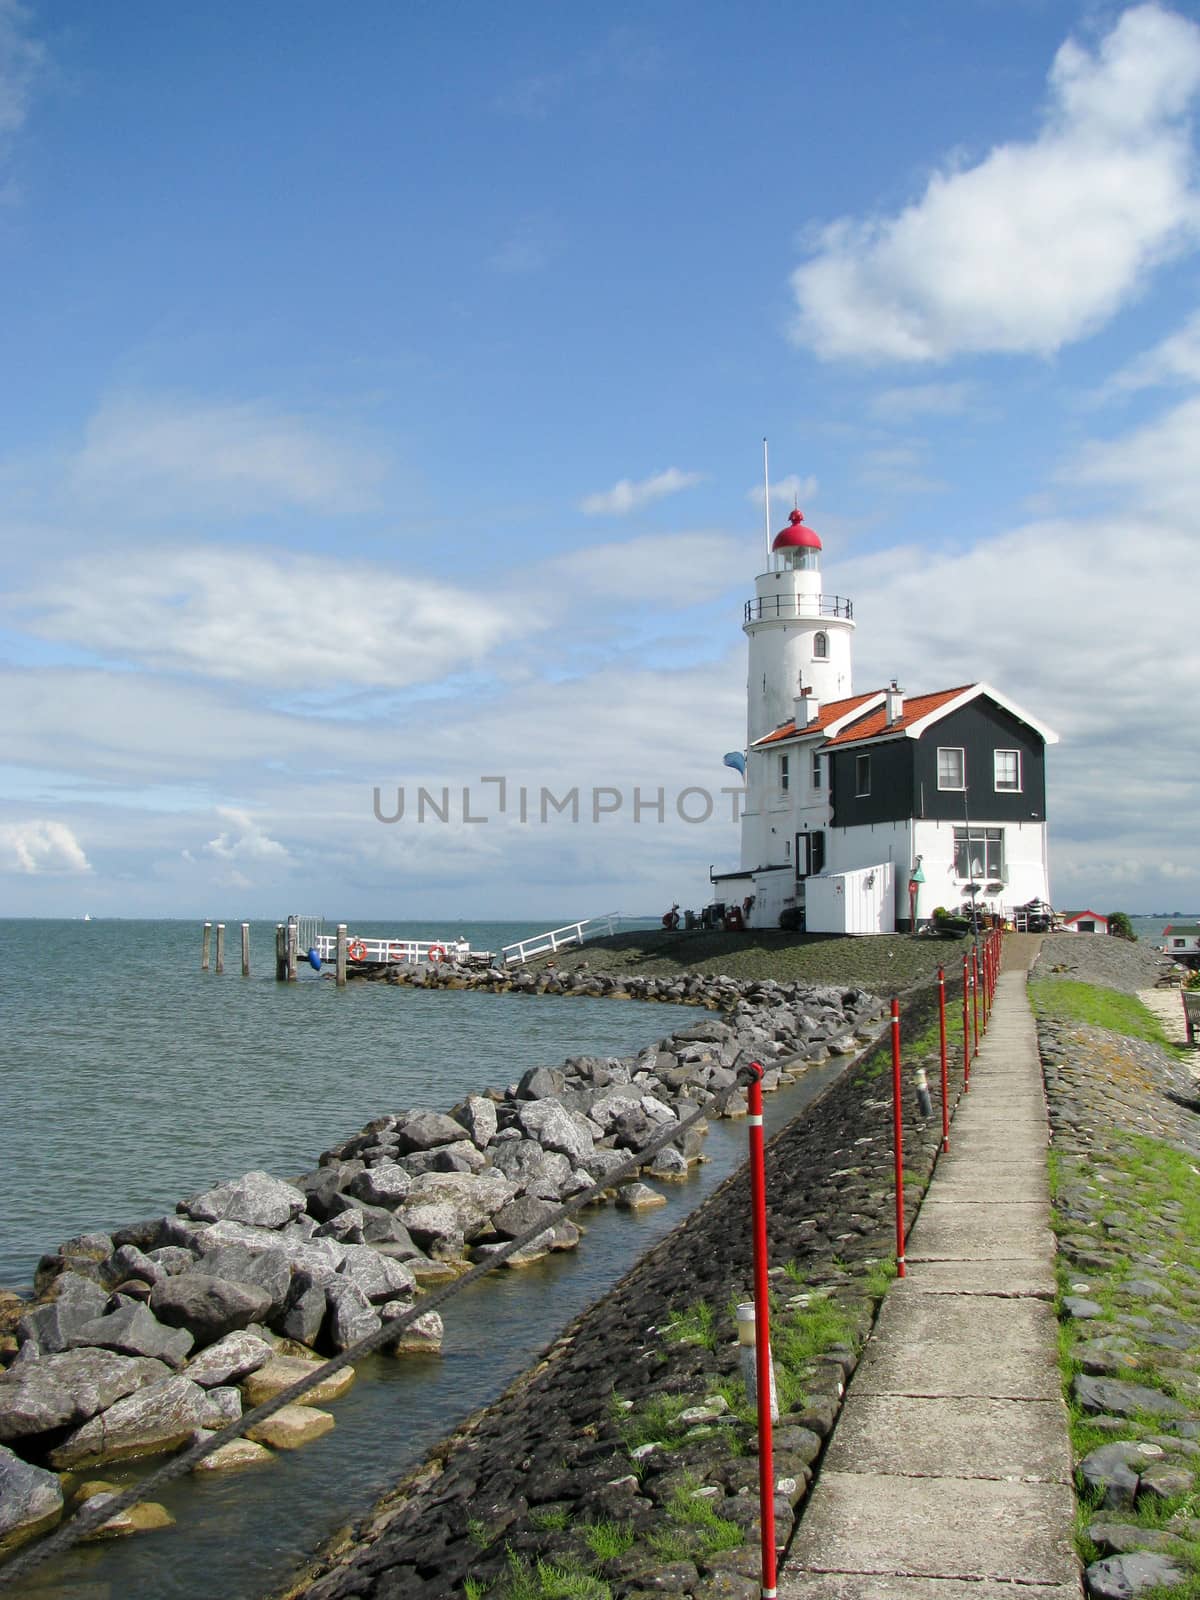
[916, 708]
[833, 712]
[873, 723]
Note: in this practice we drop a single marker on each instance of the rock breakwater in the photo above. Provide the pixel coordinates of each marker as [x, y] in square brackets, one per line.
[626, 1459]
[141, 1341]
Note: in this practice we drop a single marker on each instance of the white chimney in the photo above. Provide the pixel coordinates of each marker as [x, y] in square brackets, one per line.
[894, 703]
[807, 709]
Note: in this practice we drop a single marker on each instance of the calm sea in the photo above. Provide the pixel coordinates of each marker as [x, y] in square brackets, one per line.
[130, 1080]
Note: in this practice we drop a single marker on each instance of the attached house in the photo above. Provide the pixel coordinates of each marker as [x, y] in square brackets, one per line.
[865, 811]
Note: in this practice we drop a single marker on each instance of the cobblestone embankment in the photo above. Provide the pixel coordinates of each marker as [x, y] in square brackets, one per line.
[594, 1462]
[1125, 1122]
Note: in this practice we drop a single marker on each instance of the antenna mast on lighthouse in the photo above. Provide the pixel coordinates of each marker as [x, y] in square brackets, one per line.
[766, 502]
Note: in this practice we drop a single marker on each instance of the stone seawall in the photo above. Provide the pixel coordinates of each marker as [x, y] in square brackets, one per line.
[626, 1453]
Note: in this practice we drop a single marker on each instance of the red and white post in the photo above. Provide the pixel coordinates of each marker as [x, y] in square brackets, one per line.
[945, 1062]
[898, 1137]
[762, 1334]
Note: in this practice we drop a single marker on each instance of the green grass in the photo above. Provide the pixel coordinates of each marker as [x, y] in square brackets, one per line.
[884, 964]
[688, 1510]
[696, 1325]
[1065, 1000]
[547, 1580]
[548, 1521]
[654, 1422]
[606, 1540]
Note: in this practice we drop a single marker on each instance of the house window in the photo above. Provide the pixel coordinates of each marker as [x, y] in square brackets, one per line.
[979, 853]
[820, 646]
[816, 770]
[950, 767]
[1178, 944]
[810, 852]
[785, 779]
[1008, 769]
[862, 776]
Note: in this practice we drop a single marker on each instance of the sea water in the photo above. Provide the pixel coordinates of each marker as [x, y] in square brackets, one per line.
[130, 1079]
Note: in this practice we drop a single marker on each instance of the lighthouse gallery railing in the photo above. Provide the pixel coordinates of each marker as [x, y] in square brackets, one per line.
[788, 605]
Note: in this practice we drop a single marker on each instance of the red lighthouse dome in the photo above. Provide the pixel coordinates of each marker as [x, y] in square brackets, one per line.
[797, 535]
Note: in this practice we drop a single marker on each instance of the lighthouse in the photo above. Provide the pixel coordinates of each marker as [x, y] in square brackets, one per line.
[857, 805]
[800, 639]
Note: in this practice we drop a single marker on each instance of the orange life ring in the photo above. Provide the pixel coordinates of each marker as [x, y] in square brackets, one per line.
[396, 953]
[356, 950]
[437, 953]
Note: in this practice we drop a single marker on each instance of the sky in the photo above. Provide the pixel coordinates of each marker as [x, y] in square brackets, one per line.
[384, 389]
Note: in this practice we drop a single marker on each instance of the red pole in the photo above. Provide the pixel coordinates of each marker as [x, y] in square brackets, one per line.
[975, 997]
[945, 1069]
[898, 1138]
[762, 1333]
[966, 1025]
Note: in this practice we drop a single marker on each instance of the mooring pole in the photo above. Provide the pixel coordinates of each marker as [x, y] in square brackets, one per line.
[898, 1138]
[280, 953]
[945, 1063]
[293, 935]
[220, 947]
[341, 955]
[245, 949]
[205, 942]
[762, 1334]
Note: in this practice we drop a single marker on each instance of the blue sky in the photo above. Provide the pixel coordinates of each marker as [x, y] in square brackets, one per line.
[386, 388]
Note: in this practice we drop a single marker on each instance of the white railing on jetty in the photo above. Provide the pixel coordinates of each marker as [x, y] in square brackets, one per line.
[386, 952]
[558, 938]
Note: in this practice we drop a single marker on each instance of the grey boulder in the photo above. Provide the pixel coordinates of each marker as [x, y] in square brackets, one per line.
[424, 1130]
[256, 1198]
[63, 1390]
[208, 1307]
[132, 1330]
[30, 1500]
[160, 1417]
[230, 1359]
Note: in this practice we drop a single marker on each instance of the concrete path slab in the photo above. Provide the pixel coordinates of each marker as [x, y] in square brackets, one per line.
[966, 1528]
[965, 1437]
[994, 1277]
[880, 1586]
[948, 1475]
[944, 1232]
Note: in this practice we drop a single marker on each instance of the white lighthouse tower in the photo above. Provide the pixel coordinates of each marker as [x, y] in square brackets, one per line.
[800, 639]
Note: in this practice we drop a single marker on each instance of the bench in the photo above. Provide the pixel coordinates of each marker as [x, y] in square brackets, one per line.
[1191, 1012]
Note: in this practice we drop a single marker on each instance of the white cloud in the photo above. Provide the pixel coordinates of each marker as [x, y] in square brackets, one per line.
[1156, 465]
[1176, 360]
[789, 491]
[271, 618]
[1039, 243]
[244, 842]
[40, 846]
[22, 60]
[239, 457]
[686, 568]
[626, 495]
[911, 400]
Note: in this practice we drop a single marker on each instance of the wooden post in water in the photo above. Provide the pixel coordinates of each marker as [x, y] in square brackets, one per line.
[220, 947]
[280, 953]
[204, 946]
[341, 955]
[245, 949]
[293, 935]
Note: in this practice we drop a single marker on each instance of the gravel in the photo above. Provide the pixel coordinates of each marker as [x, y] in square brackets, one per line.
[1096, 958]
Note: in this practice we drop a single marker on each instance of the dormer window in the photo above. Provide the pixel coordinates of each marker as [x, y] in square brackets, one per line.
[820, 647]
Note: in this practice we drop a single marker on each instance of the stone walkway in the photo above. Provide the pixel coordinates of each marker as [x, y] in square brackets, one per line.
[948, 1476]
[1167, 1006]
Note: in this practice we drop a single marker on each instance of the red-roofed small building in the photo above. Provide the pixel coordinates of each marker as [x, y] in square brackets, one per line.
[1083, 922]
[863, 811]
